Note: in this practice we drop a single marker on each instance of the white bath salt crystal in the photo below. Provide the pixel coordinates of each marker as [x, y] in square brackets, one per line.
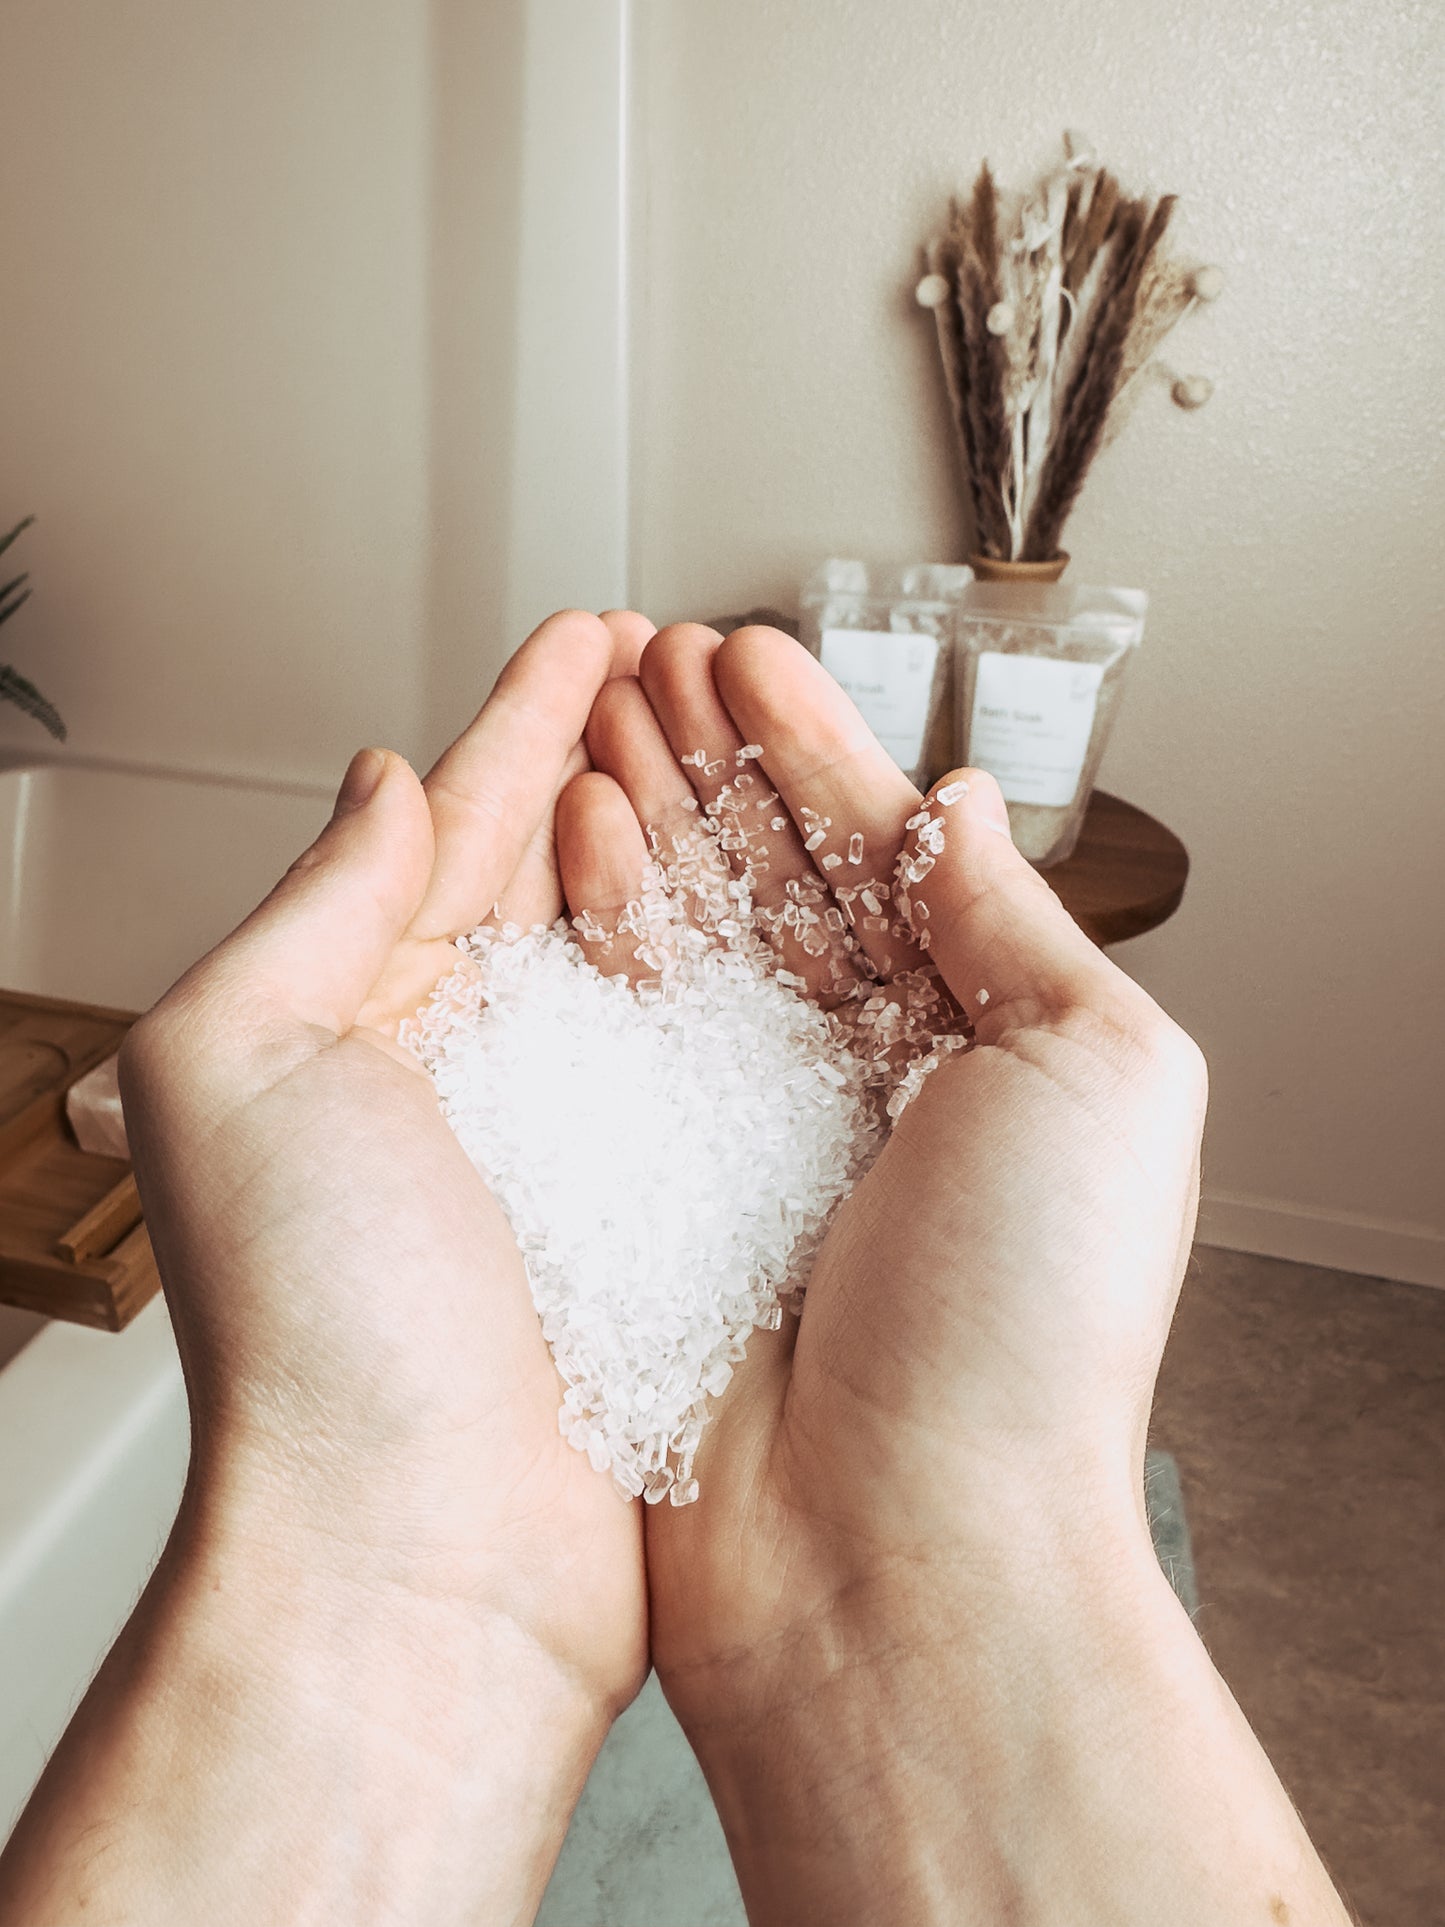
[952, 792]
[920, 911]
[669, 1157]
[712, 769]
[870, 901]
[832, 861]
[982, 997]
[916, 822]
[689, 803]
[778, 823]
[855, 847]
[748, 752]
[695, 760]
[816, 840]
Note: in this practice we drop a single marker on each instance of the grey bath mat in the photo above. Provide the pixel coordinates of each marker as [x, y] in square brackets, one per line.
[1169, 1528]
[646, 1849]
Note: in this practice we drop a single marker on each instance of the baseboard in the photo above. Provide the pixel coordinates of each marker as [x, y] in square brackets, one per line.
[1343, 1240]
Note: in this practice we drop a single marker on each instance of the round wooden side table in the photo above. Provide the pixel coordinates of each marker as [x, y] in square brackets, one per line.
[1126, 874]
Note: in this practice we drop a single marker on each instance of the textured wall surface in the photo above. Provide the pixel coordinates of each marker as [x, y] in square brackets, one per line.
[214, 318]
[1285, 715]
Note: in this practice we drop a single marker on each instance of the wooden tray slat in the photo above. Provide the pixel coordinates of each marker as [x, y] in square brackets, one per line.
[71, 1241]
[104, 1224]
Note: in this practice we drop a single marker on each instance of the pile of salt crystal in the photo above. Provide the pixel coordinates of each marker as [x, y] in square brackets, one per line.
[669, 1156]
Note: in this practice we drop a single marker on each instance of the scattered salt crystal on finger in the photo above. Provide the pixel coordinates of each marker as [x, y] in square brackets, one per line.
[748, 752]
[982, 997]
[855, 847]
[814, 841]
[916, 821]
[778, 823]
[953, 792]
[832, 861]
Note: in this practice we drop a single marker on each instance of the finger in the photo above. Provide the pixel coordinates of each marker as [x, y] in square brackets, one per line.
[831, 771]
[602, 854]
[1005, 945]
[625, 739]
[313, 951]
[493, 790]
[533, 894]
[630, 635]
[677, 675]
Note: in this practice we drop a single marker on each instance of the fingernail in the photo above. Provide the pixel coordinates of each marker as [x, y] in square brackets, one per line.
[363, 776]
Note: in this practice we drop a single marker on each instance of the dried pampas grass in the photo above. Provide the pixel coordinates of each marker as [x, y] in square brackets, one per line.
[1049, 307]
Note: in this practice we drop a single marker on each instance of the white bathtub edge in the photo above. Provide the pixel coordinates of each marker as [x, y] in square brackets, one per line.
[72, 1403]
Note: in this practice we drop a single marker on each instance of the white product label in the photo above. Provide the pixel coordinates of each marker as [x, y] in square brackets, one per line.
[890, 678]
[1032, 719]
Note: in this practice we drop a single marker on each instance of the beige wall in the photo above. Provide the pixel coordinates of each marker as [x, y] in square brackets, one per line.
[1286, 713]
[258, 279]
[259, 314]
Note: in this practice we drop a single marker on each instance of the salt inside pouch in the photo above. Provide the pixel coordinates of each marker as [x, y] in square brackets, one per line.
[668, 1156]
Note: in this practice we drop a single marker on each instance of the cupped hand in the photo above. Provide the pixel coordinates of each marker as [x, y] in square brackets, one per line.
[368, 1382]
[975, 1359]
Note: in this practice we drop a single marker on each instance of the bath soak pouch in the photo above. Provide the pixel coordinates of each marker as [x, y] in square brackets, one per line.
[884, 636]
[1038, 673]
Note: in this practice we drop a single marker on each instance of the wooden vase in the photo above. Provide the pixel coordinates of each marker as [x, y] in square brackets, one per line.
[991, 568]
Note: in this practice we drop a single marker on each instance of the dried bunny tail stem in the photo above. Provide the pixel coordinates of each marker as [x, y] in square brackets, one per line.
[1166, 297]
[943, 260]
[979, 289]
[1076, 209]
[1076, 330]
[1096, 379]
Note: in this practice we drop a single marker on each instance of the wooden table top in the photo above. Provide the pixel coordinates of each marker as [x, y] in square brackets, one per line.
[1126, 874]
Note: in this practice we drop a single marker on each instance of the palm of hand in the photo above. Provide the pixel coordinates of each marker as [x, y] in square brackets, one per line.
[350, 1304]
[969, 1312]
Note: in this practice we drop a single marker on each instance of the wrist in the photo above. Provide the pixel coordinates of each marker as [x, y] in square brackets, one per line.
[844, 1762]
[341, 1588]
[1021, 1738]
[278, 1735]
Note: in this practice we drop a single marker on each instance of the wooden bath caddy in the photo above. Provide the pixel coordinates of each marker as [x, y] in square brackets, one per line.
[72, 1244]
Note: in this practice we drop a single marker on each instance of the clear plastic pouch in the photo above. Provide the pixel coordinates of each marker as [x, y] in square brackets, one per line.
[886, 636]
[1038, 674]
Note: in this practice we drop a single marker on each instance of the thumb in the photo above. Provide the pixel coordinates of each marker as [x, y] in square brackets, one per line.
[312, 951]
[1004, 943]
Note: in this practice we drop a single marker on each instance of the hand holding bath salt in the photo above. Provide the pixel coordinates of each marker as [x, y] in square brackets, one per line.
[669, 1114]
[730, 1079]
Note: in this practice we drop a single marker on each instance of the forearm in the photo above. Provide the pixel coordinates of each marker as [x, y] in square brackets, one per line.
[1045, 1752]
[269, 1742]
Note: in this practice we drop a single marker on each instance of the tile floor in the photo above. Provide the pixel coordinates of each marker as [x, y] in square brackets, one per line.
[1306, 1410]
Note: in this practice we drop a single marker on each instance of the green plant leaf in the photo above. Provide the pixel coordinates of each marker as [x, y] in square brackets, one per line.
[26, 697]
[10, 607]
[19, 529]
